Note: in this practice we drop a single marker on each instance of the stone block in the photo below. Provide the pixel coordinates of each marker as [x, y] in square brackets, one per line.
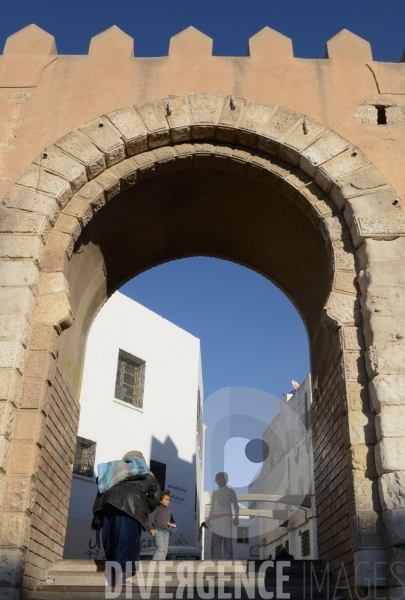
[386, 301]
[396, 568]
[40, 180]
[94, 194]
[179, 118]
[386, 359]
[32, 201]
[127, 172]
[356, 396]
[205, 110]
[24, 459]
[368, 205]
[392, 490]
[382, 274]
[80, 209]
[18, 273]
[390, 455]
[146, 165]
[28, 247]
[112, 42]
[110, 183]
[106, 138]
[14, 327]
[12, 355]
[153, 117]
[390, 422]
[57, 241]
[7, 419]
[68, 224]
[35, 394]
[367, 530]
[346, 45]
[361, 461]
[385, 226]
[14, 529]
[254, 117]
[359, 428]
[345, 282]
[10, 386]
[300, 138]
[363, 495]
[52, 283]
[343, 261]
[19, 494]
[29, 426]
[352, 366]
[81, 148]
[270, 44]
[11, 567]
[339, 166]
[351, 339]
[380, 251]
[231, 111]
[55, 259]
[370, 568]
[53, 309]
[322, 150]
[387, 390]
[395, 523]
[275, 129]
[131, 129]
[190, 42]
[22, 222]
[30, 40]
[17, 301]
[40, 365]
[166, 159]
[343, 309]
[4, 452]
[367, 179]
[54, 161]
[43, 338]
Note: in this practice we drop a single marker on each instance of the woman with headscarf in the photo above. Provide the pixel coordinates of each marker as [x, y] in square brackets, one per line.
[128, 492]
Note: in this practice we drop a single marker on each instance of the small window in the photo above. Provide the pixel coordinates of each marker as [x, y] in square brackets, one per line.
[130, 379]
[85, 457]
[305, 543]
[243, 535]
[159, 471]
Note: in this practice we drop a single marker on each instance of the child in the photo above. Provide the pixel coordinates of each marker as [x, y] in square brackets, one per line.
[221, 516]
[159, 523]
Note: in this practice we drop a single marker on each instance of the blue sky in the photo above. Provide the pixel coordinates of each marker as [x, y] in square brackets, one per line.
[251, 334]
[310, 23]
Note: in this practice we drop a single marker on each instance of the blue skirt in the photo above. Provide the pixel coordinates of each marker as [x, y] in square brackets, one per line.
[121, 537]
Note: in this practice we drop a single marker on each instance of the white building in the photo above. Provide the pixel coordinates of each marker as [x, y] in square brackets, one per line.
[142, 390]
[288, 471]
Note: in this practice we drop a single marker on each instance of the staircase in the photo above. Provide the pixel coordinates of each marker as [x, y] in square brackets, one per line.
[86, 579]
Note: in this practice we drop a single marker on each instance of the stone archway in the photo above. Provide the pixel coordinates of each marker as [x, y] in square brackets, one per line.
[64, 234]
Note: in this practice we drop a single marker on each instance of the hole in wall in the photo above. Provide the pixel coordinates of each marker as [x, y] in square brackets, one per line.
[381, 115]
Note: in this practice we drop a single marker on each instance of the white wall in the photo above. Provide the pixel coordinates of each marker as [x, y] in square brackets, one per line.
[164, 430]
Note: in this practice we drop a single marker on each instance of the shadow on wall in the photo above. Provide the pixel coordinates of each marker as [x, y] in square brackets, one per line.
[174, 473]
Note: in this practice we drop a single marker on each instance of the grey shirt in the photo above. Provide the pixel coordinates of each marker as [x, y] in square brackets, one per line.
[160, 517]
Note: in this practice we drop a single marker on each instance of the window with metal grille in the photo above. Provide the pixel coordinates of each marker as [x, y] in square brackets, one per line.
[130, 379]
[242, 535]
[84, 457]
[199, 426]
[305, 543]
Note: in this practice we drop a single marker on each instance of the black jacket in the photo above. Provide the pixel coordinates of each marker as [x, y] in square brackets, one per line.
[137, 496]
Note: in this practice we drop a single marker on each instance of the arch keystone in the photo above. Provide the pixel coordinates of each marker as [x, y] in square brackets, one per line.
[269, 42]
[112, 42]
[30, 40]
[190, 41]
[348, 46]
